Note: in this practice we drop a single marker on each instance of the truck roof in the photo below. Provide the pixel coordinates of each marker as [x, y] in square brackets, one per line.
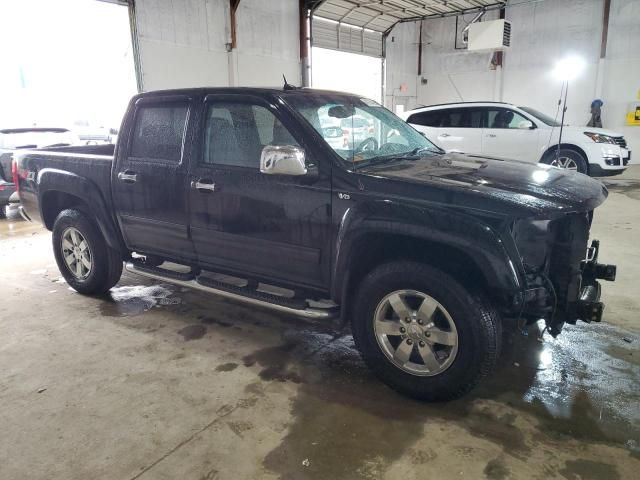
[244, 90]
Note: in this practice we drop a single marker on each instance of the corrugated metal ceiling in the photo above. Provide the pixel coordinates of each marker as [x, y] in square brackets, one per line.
[381, 15]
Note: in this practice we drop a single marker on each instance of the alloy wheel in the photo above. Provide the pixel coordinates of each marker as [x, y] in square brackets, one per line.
[415, 332]
[76, 253]
[566, 163]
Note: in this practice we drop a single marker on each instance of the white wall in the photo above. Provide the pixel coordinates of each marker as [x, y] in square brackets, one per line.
[401, 67]
[268, 42]
[183, 43]
[542, 34]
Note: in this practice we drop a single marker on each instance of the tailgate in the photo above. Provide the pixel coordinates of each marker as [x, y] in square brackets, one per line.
[5, 166]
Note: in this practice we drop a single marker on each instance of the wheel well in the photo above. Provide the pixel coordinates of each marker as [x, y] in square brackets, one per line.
[55, 202]
[566, 146]
[381, 248]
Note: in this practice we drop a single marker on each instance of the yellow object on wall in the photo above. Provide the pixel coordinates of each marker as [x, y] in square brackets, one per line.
[633, 114]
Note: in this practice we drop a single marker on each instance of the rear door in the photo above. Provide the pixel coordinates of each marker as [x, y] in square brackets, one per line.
[507, 135]
[453, 129]
[270, 226]
[150, 178]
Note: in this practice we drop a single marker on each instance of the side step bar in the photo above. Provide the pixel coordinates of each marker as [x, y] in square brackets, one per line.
[265, 300]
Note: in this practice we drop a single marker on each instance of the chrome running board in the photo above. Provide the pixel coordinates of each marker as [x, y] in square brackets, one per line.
[237, 293]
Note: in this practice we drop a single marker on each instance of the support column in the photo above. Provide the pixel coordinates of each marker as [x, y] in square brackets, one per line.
[305, 40]
[601, 68]
[232, 45]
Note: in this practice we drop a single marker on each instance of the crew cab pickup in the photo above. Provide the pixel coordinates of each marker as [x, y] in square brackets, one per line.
[235, 191]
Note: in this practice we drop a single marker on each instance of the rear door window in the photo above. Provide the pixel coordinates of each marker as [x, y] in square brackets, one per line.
[158, 132]
[461, 118]
[426, 119]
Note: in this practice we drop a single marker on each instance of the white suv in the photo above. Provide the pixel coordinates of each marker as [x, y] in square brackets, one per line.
[504, 130]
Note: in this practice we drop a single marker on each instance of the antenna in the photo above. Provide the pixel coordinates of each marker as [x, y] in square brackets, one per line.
[287, 85]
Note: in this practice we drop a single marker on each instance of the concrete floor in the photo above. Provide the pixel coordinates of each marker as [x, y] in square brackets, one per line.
[154, 382]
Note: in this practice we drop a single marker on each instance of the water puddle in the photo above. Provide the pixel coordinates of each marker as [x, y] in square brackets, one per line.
[630, 188]
[134, 300]
[542, 393]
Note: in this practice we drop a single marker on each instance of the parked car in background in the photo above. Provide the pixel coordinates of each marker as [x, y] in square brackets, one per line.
[356, 130]
[505, 130]
[92, 135]
[421, 251]
[7, 189]
[12, 139]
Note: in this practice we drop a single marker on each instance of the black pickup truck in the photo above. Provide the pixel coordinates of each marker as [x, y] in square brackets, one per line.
[262, 196]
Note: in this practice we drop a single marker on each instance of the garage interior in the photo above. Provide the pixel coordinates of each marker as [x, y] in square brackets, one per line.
[157, 381]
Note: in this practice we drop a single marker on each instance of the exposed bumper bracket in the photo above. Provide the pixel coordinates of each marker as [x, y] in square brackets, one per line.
[589, 307]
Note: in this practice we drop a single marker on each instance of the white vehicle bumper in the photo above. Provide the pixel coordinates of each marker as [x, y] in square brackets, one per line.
[606, 158]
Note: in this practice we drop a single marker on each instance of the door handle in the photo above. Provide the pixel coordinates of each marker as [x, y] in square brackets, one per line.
[491, 135]
[128, 176]
[444, 135]
[202, 184]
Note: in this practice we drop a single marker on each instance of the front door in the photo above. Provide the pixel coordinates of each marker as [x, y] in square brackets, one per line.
[508, 134]
[150, 179]
[275, 227]
[452, 129]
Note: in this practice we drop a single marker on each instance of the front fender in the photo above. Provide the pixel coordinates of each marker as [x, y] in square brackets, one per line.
[51, 180]
[449, 227]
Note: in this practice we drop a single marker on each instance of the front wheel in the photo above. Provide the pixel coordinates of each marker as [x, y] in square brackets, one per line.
[422, 333]
[568, 160]
[85, 260]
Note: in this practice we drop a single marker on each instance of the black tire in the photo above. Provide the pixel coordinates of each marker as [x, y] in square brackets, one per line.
[3, 211]
[106, 263]
[478, 327]
[565, 153]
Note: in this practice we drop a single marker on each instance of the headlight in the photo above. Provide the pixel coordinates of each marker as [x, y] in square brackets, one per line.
[600, 138]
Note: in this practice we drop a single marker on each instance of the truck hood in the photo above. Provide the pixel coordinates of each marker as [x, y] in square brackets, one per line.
[506, 187]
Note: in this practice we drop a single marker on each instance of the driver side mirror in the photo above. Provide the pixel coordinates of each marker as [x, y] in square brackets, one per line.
[282, 160]
[526, 125]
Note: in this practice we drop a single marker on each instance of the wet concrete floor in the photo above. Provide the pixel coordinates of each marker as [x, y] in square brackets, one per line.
[154, 381]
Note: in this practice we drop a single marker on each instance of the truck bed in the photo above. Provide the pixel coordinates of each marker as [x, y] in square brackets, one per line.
[91, 162]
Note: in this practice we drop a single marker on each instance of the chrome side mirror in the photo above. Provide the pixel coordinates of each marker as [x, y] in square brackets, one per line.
[282, 160]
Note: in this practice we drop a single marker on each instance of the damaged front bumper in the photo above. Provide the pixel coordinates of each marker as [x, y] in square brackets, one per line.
[542, 300]
[589, 308]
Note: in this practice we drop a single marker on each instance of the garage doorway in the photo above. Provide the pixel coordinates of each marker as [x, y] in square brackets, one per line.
[66, 64]
[347, 72]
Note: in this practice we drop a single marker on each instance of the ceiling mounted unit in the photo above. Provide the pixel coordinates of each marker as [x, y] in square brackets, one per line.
[491, 35]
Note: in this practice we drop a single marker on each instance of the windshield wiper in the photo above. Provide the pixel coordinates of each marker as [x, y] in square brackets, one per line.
[418, 150]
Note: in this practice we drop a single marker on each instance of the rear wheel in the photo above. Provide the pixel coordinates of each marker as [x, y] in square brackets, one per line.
[85, 260]
[568, 160]
[422, 333]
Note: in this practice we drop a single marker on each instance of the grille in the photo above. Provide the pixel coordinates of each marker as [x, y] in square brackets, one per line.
[506, 35]
[620, 141]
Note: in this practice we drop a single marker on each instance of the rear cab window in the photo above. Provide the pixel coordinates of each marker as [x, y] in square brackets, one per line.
[158, 132]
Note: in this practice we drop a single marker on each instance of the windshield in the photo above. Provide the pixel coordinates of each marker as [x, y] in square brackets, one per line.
[360, 130]
[541, 116]
[35, 139]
